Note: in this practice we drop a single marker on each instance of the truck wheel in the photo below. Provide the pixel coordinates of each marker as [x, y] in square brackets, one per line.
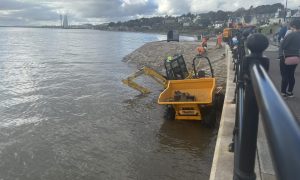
[210, 117]
[169, 113]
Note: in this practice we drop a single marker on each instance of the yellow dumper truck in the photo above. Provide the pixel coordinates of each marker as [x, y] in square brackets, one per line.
[188, 95]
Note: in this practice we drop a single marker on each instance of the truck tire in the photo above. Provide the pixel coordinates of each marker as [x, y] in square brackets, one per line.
[169, 113]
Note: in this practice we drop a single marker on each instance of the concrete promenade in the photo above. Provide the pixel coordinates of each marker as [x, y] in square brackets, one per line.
[222, 167]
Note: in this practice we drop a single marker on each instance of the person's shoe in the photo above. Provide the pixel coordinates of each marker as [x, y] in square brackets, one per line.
[283, 94]
[289, 94]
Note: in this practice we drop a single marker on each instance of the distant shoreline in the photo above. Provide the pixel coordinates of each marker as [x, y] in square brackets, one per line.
[43, 27]
[55, 27]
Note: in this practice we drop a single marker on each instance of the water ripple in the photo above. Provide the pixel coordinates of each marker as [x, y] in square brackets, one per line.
[66, 115]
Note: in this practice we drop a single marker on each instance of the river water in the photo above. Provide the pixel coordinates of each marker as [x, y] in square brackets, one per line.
[66, 115]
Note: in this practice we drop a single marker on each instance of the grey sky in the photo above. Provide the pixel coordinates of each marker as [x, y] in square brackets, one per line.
[33, 12]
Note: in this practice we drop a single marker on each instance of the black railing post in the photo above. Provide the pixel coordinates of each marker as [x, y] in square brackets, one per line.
[239, 90]
[248, 122]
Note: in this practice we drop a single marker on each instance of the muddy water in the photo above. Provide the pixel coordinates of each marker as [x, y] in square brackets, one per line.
[66, 115]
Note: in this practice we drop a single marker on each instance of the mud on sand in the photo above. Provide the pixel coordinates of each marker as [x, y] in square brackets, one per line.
[153, 54]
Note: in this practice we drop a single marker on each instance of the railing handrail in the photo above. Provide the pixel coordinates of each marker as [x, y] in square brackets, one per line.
[281, 127]
[257, 94]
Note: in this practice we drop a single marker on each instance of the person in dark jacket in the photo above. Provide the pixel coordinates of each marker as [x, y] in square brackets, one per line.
[289, 47]
[282, 32]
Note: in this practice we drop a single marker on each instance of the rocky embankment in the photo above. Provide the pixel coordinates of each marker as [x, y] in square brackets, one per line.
[153, 54]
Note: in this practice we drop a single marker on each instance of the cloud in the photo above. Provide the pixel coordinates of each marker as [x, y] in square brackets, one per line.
[14, 12]
[77, 10]
[47, 11]
[109, 9]
[13, 5]
[173, 6]
[199, 6]
[293, 3]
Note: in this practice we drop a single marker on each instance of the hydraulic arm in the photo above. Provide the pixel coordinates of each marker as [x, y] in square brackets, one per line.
[145, 71]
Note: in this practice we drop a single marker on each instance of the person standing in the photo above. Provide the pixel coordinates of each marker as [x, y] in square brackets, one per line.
[290, 47]
[219, 41]
[282, 32]
[289, 30]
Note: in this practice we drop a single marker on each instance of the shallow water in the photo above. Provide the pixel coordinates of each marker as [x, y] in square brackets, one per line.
[66, 115]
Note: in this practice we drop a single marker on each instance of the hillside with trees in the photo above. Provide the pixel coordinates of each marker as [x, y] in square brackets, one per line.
[190, 23]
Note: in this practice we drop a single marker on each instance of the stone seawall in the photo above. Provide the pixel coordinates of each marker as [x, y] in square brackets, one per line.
[222, 166]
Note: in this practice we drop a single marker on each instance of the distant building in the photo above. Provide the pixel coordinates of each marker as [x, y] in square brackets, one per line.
[183, 20]
[279, 17]
[61, 20]
[289, 13]
[297, 14]
[197, 19]
[219, 24]
[264, 18]
[65, 22]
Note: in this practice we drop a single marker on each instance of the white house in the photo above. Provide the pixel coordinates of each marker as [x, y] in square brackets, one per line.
[185, 21]
[218, 24]
[297, 14]
[279, 17]
[264, 18]
[197, 18]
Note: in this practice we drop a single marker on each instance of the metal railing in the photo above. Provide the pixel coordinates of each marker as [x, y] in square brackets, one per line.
[256, 95]
[239, 51]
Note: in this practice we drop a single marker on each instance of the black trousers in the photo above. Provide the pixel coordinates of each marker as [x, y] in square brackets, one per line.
[287, 76]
